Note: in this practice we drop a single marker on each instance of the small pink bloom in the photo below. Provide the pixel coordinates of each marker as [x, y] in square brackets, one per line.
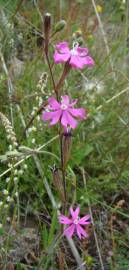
[75, 223]
[63, 112]
[77, 56]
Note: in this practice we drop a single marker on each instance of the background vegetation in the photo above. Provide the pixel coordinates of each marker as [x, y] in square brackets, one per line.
[98, 170]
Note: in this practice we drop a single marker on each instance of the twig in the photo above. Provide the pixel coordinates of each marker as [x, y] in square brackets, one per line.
[114, 97]
[28, 156]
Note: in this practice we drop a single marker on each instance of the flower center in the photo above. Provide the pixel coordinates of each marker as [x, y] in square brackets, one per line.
[76, 220]
[63, 106]
[74, 51]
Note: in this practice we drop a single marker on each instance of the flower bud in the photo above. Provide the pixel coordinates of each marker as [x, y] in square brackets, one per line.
[66, 146]
[60, 26]
[57, 181]
[47, 29]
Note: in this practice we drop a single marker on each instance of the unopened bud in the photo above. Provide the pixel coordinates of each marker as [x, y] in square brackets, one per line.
[66, 147]
[57, 181]
[47, 29]
[60, 26]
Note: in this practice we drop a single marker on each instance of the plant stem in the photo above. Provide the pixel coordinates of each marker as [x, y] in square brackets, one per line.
[52, 77]
[60, 133]
[63, 169]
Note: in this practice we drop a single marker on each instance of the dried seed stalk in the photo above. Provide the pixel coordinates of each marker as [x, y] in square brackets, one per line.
[9, 129]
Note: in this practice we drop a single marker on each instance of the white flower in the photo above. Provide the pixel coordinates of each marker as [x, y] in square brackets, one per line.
[5, 192]
[1, 225]
[34, 128]
[25, 166]
[33, 140]
[37, 98]
[15, 179]
[8, 199]
[10, 147]
[15, 144]
[20, 172]
[35, 108]
[29, 130]
[38, 118]
[16, 194]
[10, 165]
[16, 171]
[7, 179]
[33, 113]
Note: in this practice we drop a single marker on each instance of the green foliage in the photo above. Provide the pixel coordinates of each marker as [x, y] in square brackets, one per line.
[100, 144]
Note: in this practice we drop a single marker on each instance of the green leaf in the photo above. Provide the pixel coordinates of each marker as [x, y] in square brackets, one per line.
[44, 236]
[81, 152]
[1, 231]
[53, 227]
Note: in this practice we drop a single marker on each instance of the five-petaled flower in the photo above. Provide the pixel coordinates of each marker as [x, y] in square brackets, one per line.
[63, 112]
[77, 56]
[75, 223]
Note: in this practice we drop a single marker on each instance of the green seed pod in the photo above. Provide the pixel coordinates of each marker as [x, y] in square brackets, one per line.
[60, 26]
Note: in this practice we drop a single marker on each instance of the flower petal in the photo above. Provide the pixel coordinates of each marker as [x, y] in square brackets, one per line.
[61, 57]
[46, 116]
[54, 103]
[55, 117]
[78, 112]
[62, 52]
[83, 220]
[75, 213]
[76, 62]
[82, 52]
[73, 102]
[65, 99]
[63, 47]
[67, 119]
[88, 60]
[71, 121]
[69, 231]
[64, 220]
[64, 120]
[80, 231]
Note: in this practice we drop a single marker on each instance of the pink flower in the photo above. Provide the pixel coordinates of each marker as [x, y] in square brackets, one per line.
[78, 57]
[63, 112]
[75, 223]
